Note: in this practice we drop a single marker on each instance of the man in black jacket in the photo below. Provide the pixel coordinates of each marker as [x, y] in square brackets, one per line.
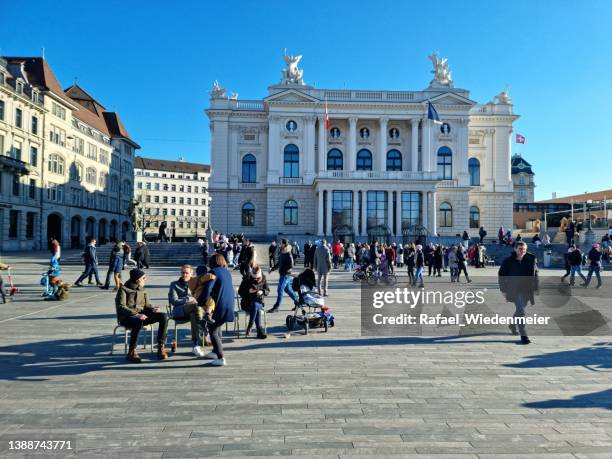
[575, 259]
[518, 282]
[272, 254]
[247, 255]
[91, 264]
[594, 257]
[284, 266]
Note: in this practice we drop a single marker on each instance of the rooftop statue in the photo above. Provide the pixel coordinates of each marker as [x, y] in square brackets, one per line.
[442, 74]
[217, 91]
[292, 74]
[503, 97]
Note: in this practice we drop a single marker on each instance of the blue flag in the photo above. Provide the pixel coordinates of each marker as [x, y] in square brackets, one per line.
[432, 113]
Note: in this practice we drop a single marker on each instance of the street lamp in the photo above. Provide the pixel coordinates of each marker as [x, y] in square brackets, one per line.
[589, 237]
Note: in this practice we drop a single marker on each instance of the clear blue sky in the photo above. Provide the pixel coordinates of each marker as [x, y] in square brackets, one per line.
[154, 64]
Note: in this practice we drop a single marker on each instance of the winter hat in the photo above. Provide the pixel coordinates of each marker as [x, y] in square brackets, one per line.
[136, 274]
[201, 270]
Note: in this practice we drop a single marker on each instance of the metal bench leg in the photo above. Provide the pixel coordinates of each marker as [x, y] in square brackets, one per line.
[125, 341]
[114, 337]
[176, 338]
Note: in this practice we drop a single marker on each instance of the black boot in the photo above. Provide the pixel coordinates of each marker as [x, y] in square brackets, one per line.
[261, 334]
[525, 340]
[274, 308]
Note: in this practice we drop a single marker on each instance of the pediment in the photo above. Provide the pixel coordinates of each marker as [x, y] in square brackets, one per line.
[451, 98]
[291, 95]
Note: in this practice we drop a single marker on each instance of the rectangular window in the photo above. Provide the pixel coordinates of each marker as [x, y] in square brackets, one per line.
[181, 201]
[34, 125]
[13, 224]
[16, 150]
[18, 118]
[16, 185]
[30, 218]
[57, 135]
[2, 152]
[92, 151]
[79, 145]
[411, 209]
[156, 199]
[58, 111]
[140, 185]
[34, 156]
[1, 110]
[32, 189]
[173, 187]
[342, 210]
[377, 212]
[157, 187]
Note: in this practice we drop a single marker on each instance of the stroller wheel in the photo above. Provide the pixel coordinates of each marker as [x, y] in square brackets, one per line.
[289, 322]
[306, 326]
[325, 325]
[331, 323]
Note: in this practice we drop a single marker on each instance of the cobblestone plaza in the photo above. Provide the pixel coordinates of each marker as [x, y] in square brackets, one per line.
[325, 395]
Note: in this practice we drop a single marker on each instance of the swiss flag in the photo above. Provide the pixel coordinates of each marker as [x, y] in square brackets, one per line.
[326, 116]
[520, 139]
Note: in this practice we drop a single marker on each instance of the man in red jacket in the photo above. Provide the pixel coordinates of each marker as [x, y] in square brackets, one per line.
[337, 252]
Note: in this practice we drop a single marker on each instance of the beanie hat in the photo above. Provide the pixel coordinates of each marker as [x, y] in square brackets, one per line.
[136, 274]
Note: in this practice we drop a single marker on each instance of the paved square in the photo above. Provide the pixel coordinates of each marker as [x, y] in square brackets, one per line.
[323, 395]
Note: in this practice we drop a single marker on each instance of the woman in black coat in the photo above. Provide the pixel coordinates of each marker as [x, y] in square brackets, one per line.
[252, 290]
[221, 291]
[437, 261]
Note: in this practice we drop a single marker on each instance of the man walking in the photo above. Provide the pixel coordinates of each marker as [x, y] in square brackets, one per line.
[575, 259]
[518, 282]
[91, 264]
[594, 257]
[272, 254]
[284, 266]
[322, 266]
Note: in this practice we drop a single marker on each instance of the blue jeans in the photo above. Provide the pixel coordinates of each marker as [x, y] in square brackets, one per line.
[255, 314]
[419, 274]
[348, 264]
[89, 269]
[573, 271]
[520, 302]
[284, 285]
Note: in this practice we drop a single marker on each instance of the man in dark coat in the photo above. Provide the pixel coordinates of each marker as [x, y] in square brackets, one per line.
[518, 282]
[246, 257]
[91, 264]
[284, 266]
[272, 254]
[307, 254]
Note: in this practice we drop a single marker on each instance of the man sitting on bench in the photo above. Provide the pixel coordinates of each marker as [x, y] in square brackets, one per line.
[134, 311]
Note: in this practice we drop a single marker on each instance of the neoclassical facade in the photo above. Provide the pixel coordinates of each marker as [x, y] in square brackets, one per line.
[360, 165]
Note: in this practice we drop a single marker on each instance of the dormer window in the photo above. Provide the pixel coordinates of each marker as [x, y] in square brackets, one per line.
[19, 87]
[2, 78]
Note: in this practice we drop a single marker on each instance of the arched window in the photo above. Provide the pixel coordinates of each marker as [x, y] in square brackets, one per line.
[292, 161]
[521, 179]
[446, 215]
[334, 160]
[291, 213]
[248, 214]
[445, 163]
[56, 164]
[364, 160]
[91, 176]
[474, 217]
[394, 160]
[103, 180]
[249, 169]
[474, 170]
[76, 172]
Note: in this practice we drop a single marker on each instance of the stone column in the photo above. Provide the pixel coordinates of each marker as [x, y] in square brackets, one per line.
[462, 167]
[433, 214]
[414, 123]
[322, 145]
[490, 159]
[382, 159]
[356, 228]
[364, 213]
[234, 178]
[320, 214]
[328, 230]
[398, 214]
[309, 150]
[274, 159]
[390, 211]
[425, 207]
[351, 159]
[426, 146]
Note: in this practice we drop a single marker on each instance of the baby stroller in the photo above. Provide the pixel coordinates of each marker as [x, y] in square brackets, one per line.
[55, 289]
[311, 311]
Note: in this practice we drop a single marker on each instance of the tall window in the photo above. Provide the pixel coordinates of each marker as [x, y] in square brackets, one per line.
[16, 150]
[445, 163]
[474, 217]
[34, 125]
[2, 110]
[248, 214]
[34, 156]
[13, 224]
[411, 208]
[91, 175]
[76, 172]
[16, 185]
[446, 215]
[30, 218]
[342, 209]
[56, 164]
[474, 171]
[18, 118]
[292, 161]
[334, 160]
[364, 160]
[290, 213]
[377, 209]
[249, 169]
[394, 160]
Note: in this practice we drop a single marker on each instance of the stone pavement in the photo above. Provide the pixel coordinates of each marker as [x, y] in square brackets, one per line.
[325, 395]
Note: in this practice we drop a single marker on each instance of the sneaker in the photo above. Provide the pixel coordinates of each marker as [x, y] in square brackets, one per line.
[525, 340]
[76, 284]
[211, 356]
[197, 351]
[218, 362]
[275, 308]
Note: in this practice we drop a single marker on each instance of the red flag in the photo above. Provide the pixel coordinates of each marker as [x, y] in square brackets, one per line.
[520, 139]
[326, 116]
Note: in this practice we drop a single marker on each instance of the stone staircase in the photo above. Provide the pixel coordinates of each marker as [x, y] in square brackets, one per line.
[161, 254]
